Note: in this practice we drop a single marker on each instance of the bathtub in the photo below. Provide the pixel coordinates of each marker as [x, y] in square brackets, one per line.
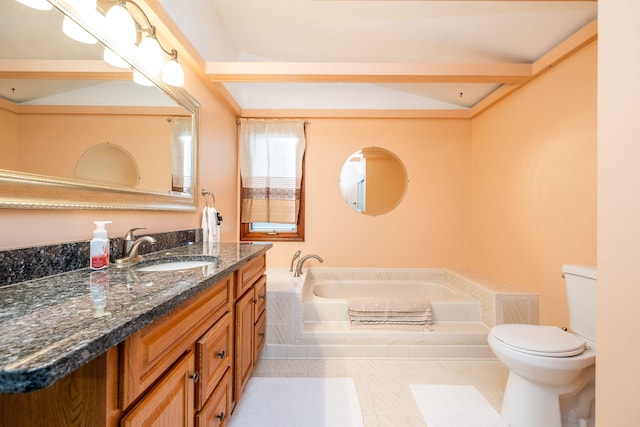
[326, 300]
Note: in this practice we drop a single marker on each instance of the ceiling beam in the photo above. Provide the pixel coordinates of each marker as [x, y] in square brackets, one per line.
[505, 1]
[568, 47]
[61, 70]
[356, 113]
[297, 72]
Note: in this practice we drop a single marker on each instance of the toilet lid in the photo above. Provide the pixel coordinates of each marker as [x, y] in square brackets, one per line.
[549, 341]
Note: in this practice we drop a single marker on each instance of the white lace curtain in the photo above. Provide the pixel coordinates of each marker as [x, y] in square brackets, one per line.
[271, 153]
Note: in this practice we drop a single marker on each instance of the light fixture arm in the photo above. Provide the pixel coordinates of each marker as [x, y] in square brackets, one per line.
[151, 29]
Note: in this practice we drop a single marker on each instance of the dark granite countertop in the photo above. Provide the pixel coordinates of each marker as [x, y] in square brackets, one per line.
[51, 326]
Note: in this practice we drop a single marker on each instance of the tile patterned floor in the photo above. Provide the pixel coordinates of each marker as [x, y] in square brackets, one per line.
[383, 385]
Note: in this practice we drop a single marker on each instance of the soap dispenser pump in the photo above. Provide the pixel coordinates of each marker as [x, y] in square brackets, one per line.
[99, 246]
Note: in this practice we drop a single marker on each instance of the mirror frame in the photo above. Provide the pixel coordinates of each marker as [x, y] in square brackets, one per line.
[402, 194]
[30, 191]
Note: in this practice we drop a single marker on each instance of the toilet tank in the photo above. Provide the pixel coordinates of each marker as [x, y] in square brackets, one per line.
[580, 281]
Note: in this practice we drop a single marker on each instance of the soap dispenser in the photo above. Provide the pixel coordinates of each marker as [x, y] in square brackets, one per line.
[99, 247]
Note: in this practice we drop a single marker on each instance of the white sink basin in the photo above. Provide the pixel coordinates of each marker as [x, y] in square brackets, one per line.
[172, 266]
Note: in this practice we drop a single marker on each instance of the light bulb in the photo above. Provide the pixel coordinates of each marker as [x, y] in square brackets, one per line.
[76, 32]
[149, 55]
[172, 73]
[37, 4]
[112, 59]
[119, 26]
[139, 78]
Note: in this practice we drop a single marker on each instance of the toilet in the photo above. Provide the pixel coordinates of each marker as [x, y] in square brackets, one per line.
[552, 371]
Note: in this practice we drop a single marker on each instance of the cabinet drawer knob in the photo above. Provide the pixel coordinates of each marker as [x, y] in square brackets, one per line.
[221, 354]
[263, 296]
[195, 377]
[220, 416]
[255, 301]
[261, 334]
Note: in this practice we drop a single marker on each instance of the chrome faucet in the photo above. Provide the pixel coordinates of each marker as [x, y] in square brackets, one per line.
[295, 257]
[298, 271]
[131, 246]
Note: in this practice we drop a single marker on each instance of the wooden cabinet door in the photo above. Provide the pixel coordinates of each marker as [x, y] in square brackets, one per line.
[214, 353]
[217, 410]
[244, 342]
[170, 402]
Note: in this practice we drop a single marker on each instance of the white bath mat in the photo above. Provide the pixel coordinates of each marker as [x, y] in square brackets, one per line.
[297, 402]
[455, 406]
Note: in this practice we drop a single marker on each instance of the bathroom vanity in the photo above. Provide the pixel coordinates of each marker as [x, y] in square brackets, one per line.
[128, 347]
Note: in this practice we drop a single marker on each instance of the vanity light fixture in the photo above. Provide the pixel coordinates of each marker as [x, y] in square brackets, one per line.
[172, 72]
[119, 25]
[149, 52]
[37, 4]
[120, 28]
[87, 9]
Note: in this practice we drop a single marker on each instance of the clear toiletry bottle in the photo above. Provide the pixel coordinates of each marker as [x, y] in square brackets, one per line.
[99, 247]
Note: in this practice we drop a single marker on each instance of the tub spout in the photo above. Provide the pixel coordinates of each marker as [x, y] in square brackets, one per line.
[298, 271]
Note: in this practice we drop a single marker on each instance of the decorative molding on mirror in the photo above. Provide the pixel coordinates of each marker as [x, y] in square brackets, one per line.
[25, 191]
[22, 190]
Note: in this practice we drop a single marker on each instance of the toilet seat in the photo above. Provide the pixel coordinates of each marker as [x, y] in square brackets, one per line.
[548, 341]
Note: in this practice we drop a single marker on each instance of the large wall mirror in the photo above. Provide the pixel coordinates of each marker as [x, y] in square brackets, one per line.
[373, 181]
[60, 104]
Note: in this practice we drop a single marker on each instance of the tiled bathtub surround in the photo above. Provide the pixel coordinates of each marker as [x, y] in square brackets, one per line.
[290, 336]
[19, 265]
[500, 302]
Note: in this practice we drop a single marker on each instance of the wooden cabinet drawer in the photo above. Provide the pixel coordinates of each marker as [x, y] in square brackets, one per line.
[151, 351]
[248, 273]
[169, 402]
[260, 337]
[214, 353]
[260, 296]
[217, 409]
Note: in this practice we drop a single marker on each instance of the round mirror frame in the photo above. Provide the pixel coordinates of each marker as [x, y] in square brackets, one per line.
[373, 181]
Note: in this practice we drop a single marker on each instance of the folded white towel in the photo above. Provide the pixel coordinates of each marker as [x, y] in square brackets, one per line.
[392, 304]
[210, 227]
[390, 312]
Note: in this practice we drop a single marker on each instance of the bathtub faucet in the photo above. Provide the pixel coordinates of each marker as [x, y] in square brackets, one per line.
[298, 271]
[295, 257]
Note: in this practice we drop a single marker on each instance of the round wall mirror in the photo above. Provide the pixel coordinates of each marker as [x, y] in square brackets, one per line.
[373, 181]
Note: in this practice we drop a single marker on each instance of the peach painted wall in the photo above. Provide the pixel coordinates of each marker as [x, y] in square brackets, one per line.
[68, 136]
[618, 327]
[431, 227]
[534, 182]
[9, 137]
[217, 173]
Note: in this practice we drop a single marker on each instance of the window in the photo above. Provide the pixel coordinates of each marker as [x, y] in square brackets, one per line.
[272, 186]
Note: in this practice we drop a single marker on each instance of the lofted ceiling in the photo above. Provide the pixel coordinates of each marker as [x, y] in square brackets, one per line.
[416, 57]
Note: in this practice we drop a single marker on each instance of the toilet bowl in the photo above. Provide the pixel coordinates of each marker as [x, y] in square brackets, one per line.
[552, 372]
